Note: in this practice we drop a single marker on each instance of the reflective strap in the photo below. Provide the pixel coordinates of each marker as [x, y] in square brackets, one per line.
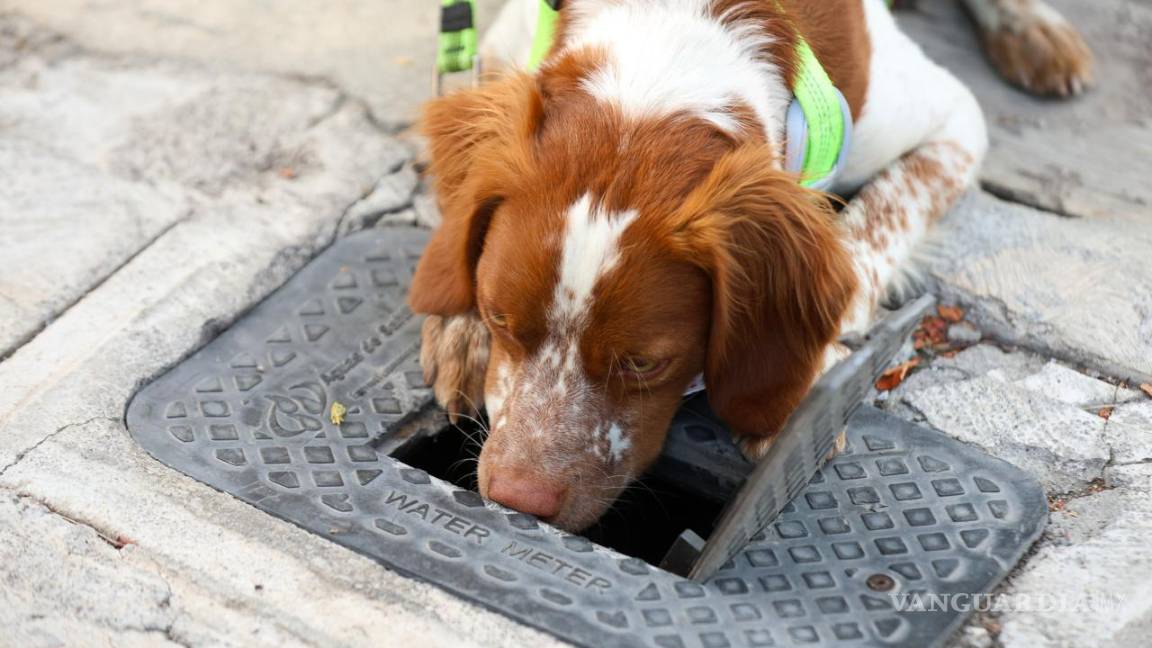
[545, 32]
[821, 103]
[457, 43]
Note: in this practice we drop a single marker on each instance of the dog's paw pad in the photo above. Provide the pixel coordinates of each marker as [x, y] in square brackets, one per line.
[1045, 55]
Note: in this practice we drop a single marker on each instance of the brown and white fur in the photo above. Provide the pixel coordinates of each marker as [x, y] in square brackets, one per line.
[619, 223]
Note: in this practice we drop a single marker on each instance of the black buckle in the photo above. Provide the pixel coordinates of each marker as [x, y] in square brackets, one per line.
[456, 17]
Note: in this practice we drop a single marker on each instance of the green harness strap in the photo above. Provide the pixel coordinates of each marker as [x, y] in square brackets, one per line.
[545, 32]
[457, 45]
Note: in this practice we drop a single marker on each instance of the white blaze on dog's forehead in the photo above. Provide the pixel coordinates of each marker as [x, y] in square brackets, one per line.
[674, 56]
[550, 397]
[591, 248]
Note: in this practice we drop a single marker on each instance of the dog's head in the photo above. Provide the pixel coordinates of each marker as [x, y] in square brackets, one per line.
[613, 260]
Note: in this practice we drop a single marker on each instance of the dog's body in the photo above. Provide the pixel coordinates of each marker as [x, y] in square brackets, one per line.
[619, 222]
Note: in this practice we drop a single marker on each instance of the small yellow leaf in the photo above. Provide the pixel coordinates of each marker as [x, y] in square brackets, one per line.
[337, 413]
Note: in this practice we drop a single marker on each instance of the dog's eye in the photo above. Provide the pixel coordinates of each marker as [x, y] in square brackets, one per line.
[499, 320]
[641, 365]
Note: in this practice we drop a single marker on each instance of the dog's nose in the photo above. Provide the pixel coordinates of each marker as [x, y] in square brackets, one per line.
[526, 493]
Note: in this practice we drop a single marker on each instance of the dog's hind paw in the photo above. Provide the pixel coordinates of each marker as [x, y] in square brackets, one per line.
[1042, 53]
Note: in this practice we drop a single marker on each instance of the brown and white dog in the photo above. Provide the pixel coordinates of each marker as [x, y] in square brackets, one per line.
[618, 223]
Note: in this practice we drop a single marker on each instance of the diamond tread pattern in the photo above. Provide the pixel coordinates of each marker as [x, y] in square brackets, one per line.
[248, 414]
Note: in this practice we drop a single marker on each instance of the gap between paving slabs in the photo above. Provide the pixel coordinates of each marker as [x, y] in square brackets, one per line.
[248, 414]
[1066, 427]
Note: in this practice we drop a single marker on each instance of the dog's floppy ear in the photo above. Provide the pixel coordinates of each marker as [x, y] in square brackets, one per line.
[474, 138]
[781, 283]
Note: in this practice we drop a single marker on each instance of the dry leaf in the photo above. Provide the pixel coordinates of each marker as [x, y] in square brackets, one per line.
[1146, 388]
[336, 415]
[288, 173]
[1105, 413]
[951, 313]
[892, 378]
[932, 334]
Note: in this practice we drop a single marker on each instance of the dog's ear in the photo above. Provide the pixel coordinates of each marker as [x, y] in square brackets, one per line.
[475, 138]
[781, 283]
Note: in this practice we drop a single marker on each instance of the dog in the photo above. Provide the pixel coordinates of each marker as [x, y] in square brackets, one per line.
[619, 221]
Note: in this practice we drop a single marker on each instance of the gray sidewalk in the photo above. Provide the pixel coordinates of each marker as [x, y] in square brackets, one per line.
[169, 162]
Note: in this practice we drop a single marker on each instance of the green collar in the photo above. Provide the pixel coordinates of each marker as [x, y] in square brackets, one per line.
[818, 125]
[545, 31]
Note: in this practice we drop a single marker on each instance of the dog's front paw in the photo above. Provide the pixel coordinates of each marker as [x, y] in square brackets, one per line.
[454, 356]
[1042, 53]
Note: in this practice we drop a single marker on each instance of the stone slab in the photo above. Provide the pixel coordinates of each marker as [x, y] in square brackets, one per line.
[381, 51]
[55, 569]
[103, 155]
[1074, 388]
[1062, 446]
[1088, 583]
[1079, 290]
[64, 227]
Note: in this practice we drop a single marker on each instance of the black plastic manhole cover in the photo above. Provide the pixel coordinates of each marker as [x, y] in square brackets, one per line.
[905, 512]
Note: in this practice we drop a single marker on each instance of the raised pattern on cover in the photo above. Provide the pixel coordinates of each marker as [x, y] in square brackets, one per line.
[249, 414]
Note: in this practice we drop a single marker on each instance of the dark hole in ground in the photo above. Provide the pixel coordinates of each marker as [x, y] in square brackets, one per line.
[643, 522]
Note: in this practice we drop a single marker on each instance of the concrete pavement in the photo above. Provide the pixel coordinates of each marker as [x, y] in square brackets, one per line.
[168, 163]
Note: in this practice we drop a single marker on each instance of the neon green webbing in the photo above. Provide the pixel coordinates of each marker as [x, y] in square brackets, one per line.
[456, 50]
[821, 105]
[545, 32]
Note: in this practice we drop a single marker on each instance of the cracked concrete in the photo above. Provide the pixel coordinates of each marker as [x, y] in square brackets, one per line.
[1072, 289]
[1043, 417]
[65, 584]
[20, 455]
